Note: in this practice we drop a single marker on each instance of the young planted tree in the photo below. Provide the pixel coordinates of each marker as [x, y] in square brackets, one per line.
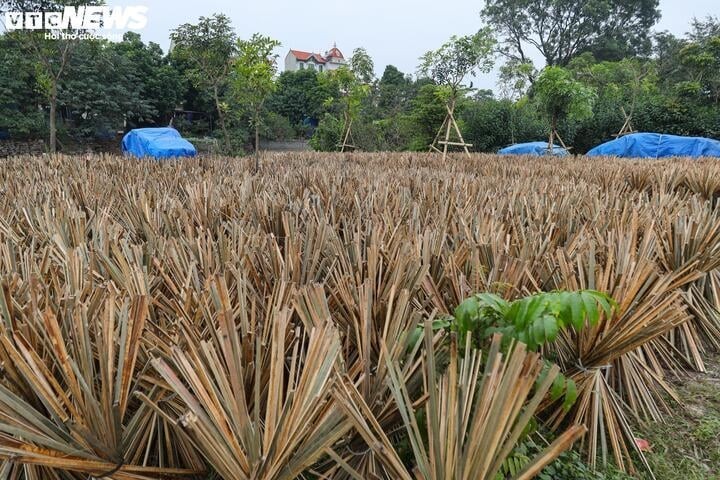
[208, 48]
[561, 97]
[253, 80]
[449, 66]
[348, 94]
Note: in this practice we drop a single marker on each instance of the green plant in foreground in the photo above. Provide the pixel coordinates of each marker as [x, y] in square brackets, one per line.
[533, 320]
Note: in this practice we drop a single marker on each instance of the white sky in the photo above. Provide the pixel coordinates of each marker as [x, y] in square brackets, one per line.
[394, 32]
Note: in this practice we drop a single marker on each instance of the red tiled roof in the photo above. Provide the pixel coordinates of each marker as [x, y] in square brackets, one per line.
[304, 56]
[334, 52]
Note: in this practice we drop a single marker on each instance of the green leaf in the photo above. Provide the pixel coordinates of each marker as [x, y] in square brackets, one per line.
[441, 324]
[606, 302]
[558, 387]
[591, 307]
[530, 312]
[414, 337]
[494, 302]
[550, 325]
[466, 311]
[570, 394]
[577, 310]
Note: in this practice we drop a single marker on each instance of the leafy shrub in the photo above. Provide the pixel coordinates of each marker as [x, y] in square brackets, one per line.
[533, 320]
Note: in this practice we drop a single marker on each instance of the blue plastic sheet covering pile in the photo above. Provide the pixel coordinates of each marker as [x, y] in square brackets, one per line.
[156, 143]
[658, 145]
[532, 148]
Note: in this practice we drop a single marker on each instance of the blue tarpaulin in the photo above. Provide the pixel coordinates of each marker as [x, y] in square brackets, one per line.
[532, 148]
[657, 145]
[157, 143]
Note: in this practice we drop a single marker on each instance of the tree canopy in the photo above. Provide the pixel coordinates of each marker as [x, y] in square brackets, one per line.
[208, 48]
[459, 58]
[562, 29]
[252, 79]
[559, 96]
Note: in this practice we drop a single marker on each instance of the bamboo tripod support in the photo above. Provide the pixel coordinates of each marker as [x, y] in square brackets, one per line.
[448, 125]
[347, 135]
[627, 127]
[553, 135]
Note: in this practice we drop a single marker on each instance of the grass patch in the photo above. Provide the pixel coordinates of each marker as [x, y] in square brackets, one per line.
[687, 446]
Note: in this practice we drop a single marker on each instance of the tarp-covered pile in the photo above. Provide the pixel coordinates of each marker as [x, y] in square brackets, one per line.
[532, 148]
[657, 145]
[156, 143]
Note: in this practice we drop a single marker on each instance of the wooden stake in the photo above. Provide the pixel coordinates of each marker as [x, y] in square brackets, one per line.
[448, 125]
[627, 127]
[347, 134]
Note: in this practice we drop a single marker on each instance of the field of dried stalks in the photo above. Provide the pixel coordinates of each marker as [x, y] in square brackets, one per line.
[164, 320]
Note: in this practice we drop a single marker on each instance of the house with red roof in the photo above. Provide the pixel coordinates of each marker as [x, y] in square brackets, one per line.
[299, 60]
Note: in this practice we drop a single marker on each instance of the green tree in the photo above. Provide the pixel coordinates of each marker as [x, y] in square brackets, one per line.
[160, 84]
[701, 62]
[448, 67]
[208, 48]
[50, 56]
[394, 91]
[362, 65]
[704, 29]
[100, 90]
[515, 77]
[560, 97]
[491, 124]
[427, 111]
[252, 80]
[347, 94]
[110, 84]
[298, 96]
[19, 97]
[457, 59]
[562, 29]
[621, 88]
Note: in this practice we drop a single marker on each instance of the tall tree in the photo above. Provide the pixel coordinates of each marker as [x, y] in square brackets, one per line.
[298, 96]
[460, 57]
[50, 55]
[701, 62]
[208, 48]
[253, 79]
[561, 29]
[394, 91]
[19, 96]
[362, 65]
[160, 85]
[704, 29]
[346, 96]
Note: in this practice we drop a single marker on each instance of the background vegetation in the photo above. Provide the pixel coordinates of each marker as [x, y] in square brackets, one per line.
[606, 50]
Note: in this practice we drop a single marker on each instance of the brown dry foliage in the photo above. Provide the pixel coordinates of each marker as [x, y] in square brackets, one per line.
[157, 316]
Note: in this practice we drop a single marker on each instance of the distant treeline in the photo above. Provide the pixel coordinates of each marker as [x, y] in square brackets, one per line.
[638, 79]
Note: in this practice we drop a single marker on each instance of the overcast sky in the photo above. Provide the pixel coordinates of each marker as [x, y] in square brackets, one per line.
[394, 32]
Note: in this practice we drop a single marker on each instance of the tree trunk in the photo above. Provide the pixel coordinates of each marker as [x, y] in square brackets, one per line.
[553, 129]
[221, 119]
[53, 119]
[257, 145]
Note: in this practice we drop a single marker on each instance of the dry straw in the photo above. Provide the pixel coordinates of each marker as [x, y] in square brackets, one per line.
[160, 320]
